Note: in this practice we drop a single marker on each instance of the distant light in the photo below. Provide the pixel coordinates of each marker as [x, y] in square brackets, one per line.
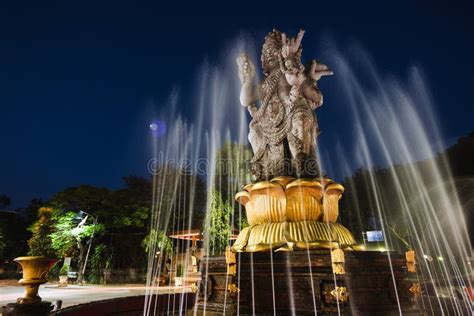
[157, 127]
[429, 258]
[440, 258]
[382, 249]
[425, 256]
[374, 236]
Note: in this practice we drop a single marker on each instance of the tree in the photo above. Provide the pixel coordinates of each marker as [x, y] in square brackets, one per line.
[101, 261]
[218, 226]
[157, 240]
[232, 173]
[232, 170]
[40, 242]
[68, 236]
[82, 198]
[30, 213]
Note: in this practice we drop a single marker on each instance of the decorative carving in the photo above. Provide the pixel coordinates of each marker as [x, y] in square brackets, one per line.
[230, 261]
[411, 261]
[338, 260]
[284, 127]
[205, 289]
[415, 289]
[340, 294]
[232, 288]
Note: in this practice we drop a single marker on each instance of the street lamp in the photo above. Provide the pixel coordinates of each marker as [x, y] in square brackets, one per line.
[90, 240]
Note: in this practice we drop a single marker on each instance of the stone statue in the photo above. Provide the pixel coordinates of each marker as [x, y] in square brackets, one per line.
[284, 127]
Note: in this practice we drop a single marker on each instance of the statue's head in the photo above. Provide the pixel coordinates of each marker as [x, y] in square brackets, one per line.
[271, 51]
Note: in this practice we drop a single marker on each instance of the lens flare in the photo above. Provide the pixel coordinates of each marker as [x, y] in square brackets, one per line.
[158, 128]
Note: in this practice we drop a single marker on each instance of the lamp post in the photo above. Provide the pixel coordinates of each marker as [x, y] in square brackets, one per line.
[81, 276]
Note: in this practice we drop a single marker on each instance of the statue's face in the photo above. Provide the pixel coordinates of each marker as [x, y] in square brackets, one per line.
[270, 56]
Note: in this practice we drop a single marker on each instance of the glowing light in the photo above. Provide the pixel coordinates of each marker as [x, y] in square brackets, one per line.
[428, 258]
[440, 258]
[157, 127]
[382, 249]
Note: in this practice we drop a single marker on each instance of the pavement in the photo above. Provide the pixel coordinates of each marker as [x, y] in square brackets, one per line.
[80, 294]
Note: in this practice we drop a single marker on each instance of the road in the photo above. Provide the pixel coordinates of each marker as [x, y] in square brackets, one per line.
[74, 294]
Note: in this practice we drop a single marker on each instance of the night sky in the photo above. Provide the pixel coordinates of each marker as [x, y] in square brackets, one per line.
[77, 81]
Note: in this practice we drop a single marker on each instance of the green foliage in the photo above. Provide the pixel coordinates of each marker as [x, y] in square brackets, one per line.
[137, 218]
[67, 234]
[53, 274]
[64, 270]
[159, 240]
[218, 224]
[62, 240]
[83, 198]
[40, 242]
[232, 170]
[101, 260]
[179, 270]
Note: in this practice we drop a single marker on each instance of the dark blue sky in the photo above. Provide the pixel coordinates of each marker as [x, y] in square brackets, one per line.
[76, 80]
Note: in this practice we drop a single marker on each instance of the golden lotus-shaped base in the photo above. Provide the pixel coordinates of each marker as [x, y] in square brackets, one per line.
[287, 213]
[293, 235]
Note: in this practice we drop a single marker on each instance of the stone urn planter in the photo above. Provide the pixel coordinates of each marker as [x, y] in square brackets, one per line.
[35, 272]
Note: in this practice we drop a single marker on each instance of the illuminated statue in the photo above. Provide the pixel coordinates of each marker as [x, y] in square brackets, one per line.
[284, 127]
[290, 205]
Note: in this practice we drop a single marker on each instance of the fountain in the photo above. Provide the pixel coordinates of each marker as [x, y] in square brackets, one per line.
[294, 257]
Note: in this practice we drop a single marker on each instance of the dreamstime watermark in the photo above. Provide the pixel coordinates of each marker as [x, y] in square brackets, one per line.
[228, 166]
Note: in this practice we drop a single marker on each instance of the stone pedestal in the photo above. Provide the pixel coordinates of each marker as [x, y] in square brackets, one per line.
[217, 293]
[298, 282]
[34, 309]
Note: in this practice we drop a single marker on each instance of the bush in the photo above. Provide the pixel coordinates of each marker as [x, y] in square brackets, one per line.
[64, 270]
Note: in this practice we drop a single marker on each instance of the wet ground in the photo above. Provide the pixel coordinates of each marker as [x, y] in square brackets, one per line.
[75, 294]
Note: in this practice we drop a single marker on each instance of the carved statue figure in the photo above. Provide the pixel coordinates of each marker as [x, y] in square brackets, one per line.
[284, 127]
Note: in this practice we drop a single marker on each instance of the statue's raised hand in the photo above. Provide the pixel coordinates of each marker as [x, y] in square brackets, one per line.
[246, 68]
[317, 70]
[290, 46]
